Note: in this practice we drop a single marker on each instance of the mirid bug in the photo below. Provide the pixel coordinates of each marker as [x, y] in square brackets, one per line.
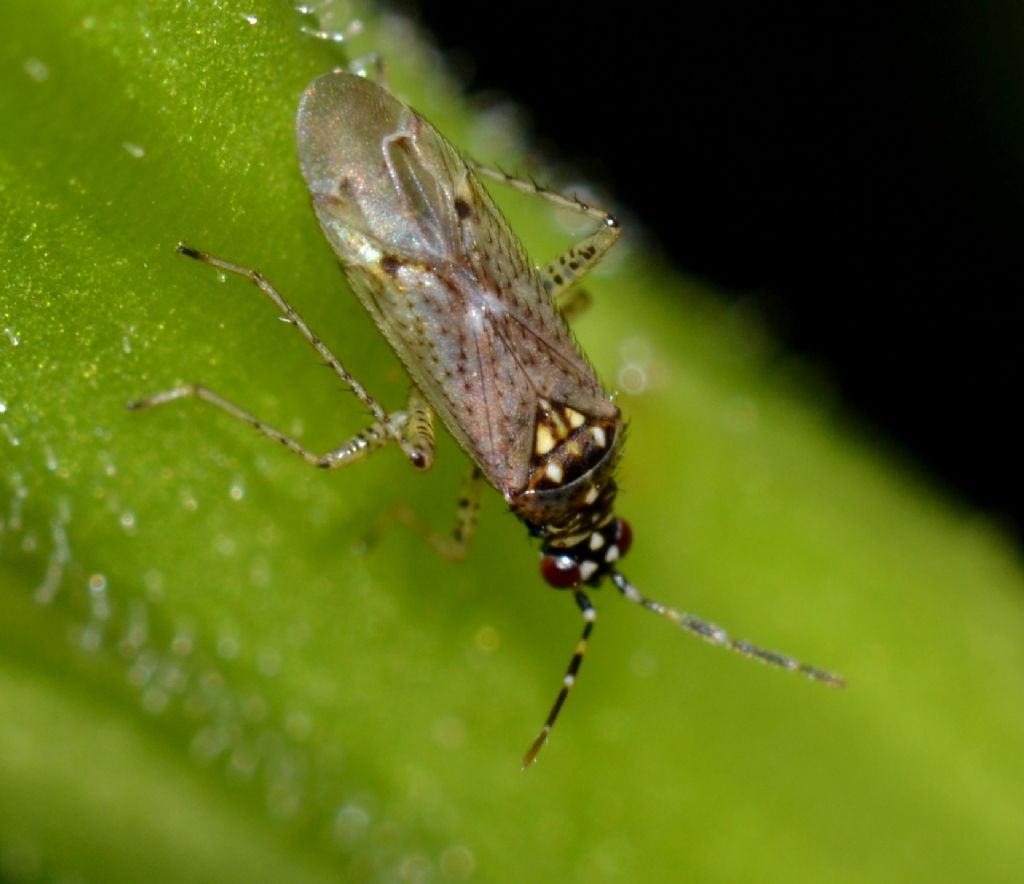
[483, 336]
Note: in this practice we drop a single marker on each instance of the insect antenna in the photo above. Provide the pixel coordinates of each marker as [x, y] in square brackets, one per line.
[589, 617]
[718, 636]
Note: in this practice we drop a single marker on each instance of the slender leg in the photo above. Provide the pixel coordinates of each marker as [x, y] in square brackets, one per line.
[563, 273]
[467, 515]
[572, 303]
[412, 430]
[718, 636]
[589, 617]
[420, 444]
[418, 431]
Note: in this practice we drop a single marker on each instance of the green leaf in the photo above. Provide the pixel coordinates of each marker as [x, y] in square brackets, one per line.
[208, 673]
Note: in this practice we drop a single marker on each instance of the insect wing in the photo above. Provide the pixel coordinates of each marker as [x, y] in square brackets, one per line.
[352, 143]
[432, 259]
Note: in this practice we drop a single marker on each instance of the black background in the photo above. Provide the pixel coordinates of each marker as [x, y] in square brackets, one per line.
[856, 173]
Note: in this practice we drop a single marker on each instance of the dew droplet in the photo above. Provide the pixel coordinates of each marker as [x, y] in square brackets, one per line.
[269, 662]
[487, 639]
[228, 647]
[207, 744]
[127, 520]
[243, 762]
[415, 868]
[154, 582]
[457, 862]
[91, 637]
[225, 545]
[632, 378]
[449, 732]
[350, 824]
[155, 700]
[283, 798]
[298, 726]
[182, 644]
[36, 69]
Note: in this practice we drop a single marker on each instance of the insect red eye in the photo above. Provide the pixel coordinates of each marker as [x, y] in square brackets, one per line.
[562, 572]
[623, 536]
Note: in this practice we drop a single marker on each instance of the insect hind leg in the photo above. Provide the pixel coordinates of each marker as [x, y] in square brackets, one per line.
[453, 546]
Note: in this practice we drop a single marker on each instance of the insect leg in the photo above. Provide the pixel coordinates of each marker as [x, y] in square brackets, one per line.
[561, 275]
[552, 196]
[589, 617]
[467, 515]
[564, 272]
[418, 430]
[416, 426]
[572, 303]
[718, 636]
[412, 429]
[294, 319]
[356, 448]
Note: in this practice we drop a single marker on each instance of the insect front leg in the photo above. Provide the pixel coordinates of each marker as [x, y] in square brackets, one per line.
[412, 430]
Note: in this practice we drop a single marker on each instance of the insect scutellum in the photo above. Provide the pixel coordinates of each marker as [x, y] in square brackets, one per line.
[483, 336]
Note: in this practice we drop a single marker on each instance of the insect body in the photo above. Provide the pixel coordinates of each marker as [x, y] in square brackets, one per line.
[482, 334]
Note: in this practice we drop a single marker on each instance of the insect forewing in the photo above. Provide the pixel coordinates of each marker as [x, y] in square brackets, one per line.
[430, 256]
[353, 143]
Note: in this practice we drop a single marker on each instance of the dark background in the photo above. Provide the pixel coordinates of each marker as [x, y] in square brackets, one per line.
[855, 174]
